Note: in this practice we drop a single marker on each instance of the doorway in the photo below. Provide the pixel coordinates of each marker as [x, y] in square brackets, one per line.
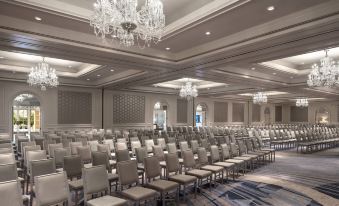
[201, 115]
[26, 115]
[160, 116]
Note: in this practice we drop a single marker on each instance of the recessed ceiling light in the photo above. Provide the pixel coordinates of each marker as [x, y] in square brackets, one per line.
[98, 75]
[274, 73]
[88, 79]
[167, 48]
[208, 33]
[247, 77]
[270, 8]
[253, 68]
[38, 18]
[112, 70]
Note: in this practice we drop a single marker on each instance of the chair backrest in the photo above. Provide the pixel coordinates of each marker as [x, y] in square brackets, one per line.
[27, 149]
[215, 153]
[202, 156]
[234, 150]
[149, 143]
[104, 148]
[172, 148]
[225, 151]
[10, 193]
[158, 152]
[194, 145]
[141, 154]
[128, 172]
[85, 153]
[74, 146]
[121, 146]
[7, 158]
[6, 145]
[51, 189]
[188, 157]
[8, 172]
[59, 155]
[100, 158]
[34, 155]
[93, 145]
[95, 180]
[110, 143]
[183, 146]
[73, 166]
[42, 167]
[6, 150]
[172, 163]
[134, 145]
[152, 167]
[122, 155]
[23, 144]
[161, 142]
[52, 147]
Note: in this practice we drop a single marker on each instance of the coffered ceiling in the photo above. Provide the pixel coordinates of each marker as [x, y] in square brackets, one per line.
[238, 43]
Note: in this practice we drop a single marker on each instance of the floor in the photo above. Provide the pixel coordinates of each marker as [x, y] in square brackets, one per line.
[293, 180]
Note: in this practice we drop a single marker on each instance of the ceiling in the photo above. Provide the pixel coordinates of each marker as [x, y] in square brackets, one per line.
[249, 48]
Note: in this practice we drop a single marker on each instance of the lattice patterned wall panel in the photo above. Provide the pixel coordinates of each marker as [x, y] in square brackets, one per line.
[74, 107]
[128, 109]
[238, 112]
[181, 111]
[220, 111]
[278, 113]
[299, 114]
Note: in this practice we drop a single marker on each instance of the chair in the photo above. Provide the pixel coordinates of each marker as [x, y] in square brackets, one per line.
[10, 193]
[27, 149]
[59, 155]
[93, 145]
[204, 165]
[153, 170]
[74, 146]
[195, 146]
[7, 158]
[227, 158]
[85, 153]
[149, 143]
[215, 158]
[52, 189]
[134, 145]
[73, 168]
[122, 155]
[128, 175]
[6, 145]
[189, 168]
[6, 150]
[96, 181]
[121, 146]
[161, 142]
[173, 166]
[52, 147]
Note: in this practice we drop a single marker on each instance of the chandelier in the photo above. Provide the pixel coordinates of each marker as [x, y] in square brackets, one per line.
[260, 98]
[120, 20]
[157, 106]
[188, 91]
[302, 102]
[324, 75]
[43, 76]
[23, 97]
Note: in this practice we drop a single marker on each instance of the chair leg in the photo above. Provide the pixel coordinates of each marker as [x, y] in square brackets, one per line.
[195, 190]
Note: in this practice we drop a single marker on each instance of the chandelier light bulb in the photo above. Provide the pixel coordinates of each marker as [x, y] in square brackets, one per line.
[302, 102]
[259, 98]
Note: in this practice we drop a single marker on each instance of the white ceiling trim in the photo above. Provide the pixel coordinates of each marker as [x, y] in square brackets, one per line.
[282, 68]
[12, 68]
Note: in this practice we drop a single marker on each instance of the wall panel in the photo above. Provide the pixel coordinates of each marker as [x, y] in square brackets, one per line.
[256, 110]
[181, 111]
[299, 114]
[278, 113]
[238, 112]
[220, 111]
[128, 109]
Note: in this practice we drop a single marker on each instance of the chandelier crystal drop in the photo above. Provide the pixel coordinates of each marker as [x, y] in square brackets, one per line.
[43, 76]
[302, 102]
[188, 91]
[260, 98]
[120, 20]
[324, 75]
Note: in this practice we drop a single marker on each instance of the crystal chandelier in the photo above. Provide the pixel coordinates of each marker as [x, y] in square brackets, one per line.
[120, 20]
[157, 106]
[324, 75]
[260, 98]
[302, 102]
[43, 76]
[188, 91]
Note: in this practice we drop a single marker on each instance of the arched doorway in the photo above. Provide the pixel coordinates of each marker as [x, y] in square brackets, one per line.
[322, 116]
[201, 115]
[160, 116]
[26, 115]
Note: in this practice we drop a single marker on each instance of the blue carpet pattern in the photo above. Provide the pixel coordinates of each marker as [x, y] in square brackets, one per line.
[244, 193]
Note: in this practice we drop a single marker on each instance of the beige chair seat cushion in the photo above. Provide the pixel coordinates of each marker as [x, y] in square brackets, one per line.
[236, 161]
[106, 201]
[139, 193]
[113, 177]
[199, 173]
[267, 149]
[224, 164]
[212, 168]
[112, 162]
[163, 164]
[141, 167]
[163, 185]
[183, 179]
[244, 158]
[250, 155]
[76, 184]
